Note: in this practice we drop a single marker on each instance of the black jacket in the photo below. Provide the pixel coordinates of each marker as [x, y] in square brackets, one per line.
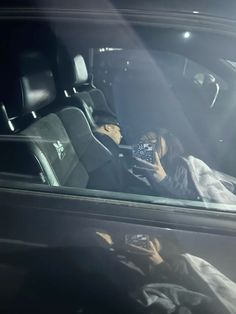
[114, 175]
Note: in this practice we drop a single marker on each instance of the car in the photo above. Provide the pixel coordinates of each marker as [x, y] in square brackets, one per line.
[70, 246]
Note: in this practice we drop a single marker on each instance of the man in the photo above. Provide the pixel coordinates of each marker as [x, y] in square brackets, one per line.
[114, 175]
[108, 130]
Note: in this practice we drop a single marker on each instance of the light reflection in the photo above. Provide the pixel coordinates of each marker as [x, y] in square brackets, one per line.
[186, 35]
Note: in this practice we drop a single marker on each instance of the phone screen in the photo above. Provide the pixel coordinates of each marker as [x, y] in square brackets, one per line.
[137, 240]
[144, 151]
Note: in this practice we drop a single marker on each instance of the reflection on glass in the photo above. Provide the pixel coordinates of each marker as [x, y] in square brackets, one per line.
[179, 283]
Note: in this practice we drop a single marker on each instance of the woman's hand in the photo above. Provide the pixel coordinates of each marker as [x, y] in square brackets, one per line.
[106, 237]
[152, 252]
[159, 172]
[152, 170]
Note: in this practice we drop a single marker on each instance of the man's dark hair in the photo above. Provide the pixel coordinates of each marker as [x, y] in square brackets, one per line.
[102, 118]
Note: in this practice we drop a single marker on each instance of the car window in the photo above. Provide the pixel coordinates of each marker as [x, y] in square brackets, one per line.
[149, 84]
[153, 123]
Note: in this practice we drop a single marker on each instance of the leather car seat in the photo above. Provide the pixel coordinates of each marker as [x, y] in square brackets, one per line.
[77, 88]
[61, 143]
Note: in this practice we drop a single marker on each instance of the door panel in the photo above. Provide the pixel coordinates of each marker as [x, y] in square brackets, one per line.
[50, 245]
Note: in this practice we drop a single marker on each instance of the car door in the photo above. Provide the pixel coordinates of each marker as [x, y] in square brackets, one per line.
[49, 240]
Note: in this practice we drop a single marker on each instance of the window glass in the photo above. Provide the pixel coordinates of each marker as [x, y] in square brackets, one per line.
[154, 123]
[162, 90]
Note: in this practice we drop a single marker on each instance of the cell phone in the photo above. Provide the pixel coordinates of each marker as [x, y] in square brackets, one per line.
[144, 151]
[138, 240]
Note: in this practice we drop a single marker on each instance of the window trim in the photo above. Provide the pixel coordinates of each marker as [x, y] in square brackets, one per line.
[71, 201]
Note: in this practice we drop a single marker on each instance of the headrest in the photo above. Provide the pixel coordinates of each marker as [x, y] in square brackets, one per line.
[80, 70]
[34, 87]
[72, 71]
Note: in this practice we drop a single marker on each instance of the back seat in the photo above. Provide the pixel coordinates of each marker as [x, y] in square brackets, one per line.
[60, 143]
[77, 88]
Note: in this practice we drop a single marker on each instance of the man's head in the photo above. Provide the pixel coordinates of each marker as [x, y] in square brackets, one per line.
[107, 124]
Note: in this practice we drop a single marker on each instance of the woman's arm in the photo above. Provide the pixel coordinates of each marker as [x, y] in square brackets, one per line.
[179, 185]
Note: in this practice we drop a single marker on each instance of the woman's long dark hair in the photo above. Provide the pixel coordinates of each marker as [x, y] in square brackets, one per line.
[175, 148]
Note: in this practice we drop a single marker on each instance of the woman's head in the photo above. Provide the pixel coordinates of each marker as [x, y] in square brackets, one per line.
[165, 144]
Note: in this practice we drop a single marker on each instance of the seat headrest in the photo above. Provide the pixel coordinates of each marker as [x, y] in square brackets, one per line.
[80, 70]
[72, 71]
[34, 87]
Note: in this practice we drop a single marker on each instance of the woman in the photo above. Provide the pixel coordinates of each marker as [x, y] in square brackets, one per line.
[174, 174]
[171, 176]
[172, 282]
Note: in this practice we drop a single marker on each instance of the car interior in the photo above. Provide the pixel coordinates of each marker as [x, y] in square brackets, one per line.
[51, 87]
[54, 77]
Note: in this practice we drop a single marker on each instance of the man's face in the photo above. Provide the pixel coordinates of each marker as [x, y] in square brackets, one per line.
[115, 133]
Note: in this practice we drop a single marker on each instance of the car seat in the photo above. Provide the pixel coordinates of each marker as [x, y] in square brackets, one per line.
[60, 143]
[80, 92]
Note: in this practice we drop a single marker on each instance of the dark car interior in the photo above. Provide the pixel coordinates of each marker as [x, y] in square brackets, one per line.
[47, 85]
[54, 76]
[34, 90]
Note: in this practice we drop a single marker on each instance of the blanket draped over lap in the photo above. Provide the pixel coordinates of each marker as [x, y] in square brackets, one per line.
[212, 186]
[211, 292]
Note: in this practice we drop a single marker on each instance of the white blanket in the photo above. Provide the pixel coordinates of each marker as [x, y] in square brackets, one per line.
[209, 182]
[220, 286]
